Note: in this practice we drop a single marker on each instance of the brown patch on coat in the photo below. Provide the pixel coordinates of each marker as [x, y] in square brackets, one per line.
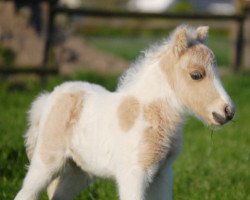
[159, 138]
[63, 115]
[128, 112]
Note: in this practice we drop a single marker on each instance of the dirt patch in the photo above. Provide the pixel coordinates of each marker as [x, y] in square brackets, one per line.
[17, 35]
[76, 54]
[71, 53]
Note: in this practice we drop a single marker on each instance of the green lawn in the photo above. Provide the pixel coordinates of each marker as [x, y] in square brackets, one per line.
[211, 166]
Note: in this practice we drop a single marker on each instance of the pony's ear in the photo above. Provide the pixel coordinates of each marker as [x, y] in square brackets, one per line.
[202, 33]
[180, 41]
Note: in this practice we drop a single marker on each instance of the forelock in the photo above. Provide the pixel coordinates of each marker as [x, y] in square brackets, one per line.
[201, 54]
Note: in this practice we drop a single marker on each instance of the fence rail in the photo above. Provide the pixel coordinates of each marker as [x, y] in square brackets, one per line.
[54, 10]
[139, 15]
[36, 70]
[238, 18]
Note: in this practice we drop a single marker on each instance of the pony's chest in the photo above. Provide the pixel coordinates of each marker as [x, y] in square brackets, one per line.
[158, 146]
[162, 138]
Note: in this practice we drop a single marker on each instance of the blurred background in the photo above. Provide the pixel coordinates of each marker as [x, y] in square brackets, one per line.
[44, 43]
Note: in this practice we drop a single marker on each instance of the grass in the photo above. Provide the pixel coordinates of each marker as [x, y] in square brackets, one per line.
[214, 167]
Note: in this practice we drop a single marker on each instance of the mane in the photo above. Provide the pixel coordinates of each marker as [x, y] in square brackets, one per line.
[149, 56]
[145, 59]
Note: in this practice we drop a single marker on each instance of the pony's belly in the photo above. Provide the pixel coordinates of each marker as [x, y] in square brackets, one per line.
[98, 170]
[94, 158]
[95, 166]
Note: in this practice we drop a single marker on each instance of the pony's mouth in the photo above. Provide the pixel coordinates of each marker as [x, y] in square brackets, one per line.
[219, 118]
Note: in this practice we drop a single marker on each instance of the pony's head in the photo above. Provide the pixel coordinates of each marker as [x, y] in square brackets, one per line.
[193, 76]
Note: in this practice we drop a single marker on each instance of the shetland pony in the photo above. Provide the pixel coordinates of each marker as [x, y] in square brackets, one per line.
[132, 135]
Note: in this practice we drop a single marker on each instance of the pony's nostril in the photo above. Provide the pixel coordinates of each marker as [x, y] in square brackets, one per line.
[229, 112]
[219, 118]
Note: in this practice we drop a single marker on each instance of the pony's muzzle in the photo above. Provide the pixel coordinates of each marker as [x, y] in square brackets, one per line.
[229, 112]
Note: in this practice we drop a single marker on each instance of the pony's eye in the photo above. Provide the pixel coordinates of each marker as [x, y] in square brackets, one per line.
[196, 75]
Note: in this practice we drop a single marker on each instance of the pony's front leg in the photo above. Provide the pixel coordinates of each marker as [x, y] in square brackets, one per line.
[162, 185]
[132, 185]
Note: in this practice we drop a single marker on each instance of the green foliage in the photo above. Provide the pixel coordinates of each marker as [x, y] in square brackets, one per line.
[126, 47]
[209, 168]
[182, 6]
[129, 31]
[107, 4]
[7, 56]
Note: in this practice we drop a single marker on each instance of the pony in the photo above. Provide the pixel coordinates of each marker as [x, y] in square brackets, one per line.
[131, 135]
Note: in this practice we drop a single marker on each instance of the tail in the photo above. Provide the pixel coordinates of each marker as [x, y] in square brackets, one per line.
[34, 121]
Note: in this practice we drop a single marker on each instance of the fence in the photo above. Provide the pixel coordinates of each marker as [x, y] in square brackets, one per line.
[54, 10]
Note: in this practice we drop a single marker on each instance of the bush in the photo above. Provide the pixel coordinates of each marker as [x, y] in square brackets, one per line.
[7, 56]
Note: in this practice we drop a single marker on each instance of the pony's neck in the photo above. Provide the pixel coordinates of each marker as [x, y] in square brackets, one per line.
[149, 83]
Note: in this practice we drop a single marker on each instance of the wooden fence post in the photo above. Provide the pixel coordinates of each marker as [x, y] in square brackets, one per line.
[239, 45]
[49, 37]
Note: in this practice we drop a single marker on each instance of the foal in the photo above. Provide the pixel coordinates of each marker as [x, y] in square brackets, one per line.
[132, 135]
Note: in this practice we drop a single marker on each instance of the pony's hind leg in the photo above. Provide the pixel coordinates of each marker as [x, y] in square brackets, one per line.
[50, 151]
[71, 182]
[38, 177]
